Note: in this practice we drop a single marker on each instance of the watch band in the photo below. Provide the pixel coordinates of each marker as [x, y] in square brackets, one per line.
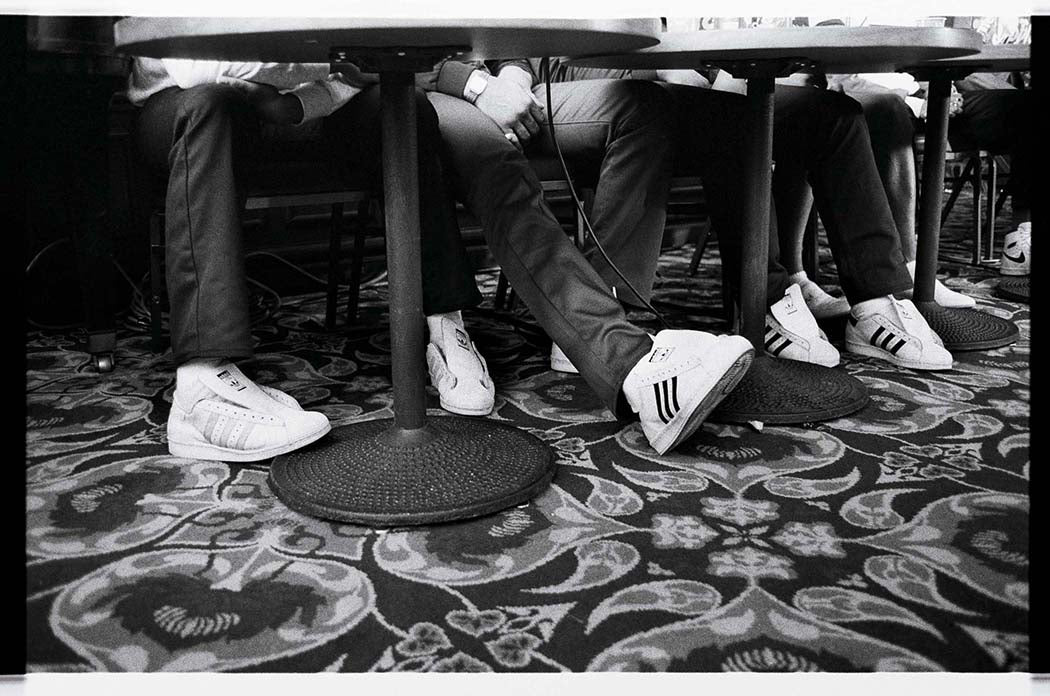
[476, 84]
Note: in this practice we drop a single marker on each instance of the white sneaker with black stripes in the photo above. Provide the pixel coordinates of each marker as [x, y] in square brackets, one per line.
[681, 380]
[792, 332]
[895, 331]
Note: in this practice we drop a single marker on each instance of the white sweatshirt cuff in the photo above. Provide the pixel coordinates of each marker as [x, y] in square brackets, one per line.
[315, 98]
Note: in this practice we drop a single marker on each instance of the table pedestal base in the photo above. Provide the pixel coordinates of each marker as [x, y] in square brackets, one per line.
[967, 329]
[783, 392]
[374, 474]
[1015, 289]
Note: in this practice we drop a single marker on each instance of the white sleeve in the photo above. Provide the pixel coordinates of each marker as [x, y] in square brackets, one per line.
[192, 73]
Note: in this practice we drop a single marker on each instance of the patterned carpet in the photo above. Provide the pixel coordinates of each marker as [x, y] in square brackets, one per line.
[895, 539]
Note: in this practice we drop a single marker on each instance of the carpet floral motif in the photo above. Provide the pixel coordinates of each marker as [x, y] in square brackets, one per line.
[892, 539]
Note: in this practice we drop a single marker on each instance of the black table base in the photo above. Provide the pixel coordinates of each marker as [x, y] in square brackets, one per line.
[960, 329]
[1015, 289]
[409, 469]
[967, 329]
[783, 392]
[374, 474]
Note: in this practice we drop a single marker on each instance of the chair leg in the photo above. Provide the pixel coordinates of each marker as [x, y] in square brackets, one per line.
[956, 190]
[334, 253]
[156, 281]
[357, 265]
[810, 247]
[994, 204]
[587, 199]
[976, 216]
[502, 285]
[698, 252]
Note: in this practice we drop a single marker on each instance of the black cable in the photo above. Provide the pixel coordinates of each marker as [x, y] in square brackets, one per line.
[545, 75]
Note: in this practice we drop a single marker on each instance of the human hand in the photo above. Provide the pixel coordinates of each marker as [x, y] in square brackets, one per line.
[690, 78]
[512, 107]
[955, 102]
[267, 101]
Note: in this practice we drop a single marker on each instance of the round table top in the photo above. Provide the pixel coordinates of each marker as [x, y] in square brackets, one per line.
[833, 49]
[308, 40]
[1004, 58]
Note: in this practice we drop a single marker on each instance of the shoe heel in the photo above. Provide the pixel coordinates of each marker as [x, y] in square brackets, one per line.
[726, 384]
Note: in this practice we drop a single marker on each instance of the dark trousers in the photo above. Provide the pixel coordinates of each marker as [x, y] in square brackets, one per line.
[566, 295]
[623, 129]
[818, 136]
[205, 139]
[1000, 120]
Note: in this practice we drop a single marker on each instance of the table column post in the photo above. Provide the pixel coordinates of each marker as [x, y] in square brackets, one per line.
[932, 186]
[401, 207]
[754, 267]
[959, 329]
[774, 390]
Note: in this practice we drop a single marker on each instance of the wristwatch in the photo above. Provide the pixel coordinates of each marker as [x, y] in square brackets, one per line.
[476, 84]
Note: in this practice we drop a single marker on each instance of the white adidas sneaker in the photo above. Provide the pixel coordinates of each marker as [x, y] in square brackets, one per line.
[895, 331]
[942, 294]
[218, 414]
[560, 361]
[458, 371]
[792, 332]
[821, 304]
[681, 380]
[1017, 251]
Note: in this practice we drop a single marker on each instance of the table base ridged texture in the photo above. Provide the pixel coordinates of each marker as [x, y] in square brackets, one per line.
[785, 392]
[1017, 289]
[455, 468]
[967, 329]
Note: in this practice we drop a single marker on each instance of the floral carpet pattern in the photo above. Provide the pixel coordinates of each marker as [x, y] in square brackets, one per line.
[893, 539]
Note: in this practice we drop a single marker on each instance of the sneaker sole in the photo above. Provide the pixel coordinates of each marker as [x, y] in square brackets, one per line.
[566, 367]
[222, 454]
[464, 411]
[1014, 271]
[873, 352]
[688, 424]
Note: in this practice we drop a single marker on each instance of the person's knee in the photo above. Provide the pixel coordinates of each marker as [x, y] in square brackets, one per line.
[211, 101]
[425, 113]
[839, 104]
[888, 115]
[640, 102]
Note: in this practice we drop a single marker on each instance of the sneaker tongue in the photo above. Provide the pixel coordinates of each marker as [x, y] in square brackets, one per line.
[793, 314]
[459, 354]
[229, 383]
[912, 321]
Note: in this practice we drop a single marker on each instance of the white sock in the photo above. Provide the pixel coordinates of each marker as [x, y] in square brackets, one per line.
[942, 294]
[434, 322]
[190, 369]
[798, 277]
[868, 306]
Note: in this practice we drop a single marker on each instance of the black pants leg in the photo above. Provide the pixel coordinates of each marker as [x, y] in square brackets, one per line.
[821, 135]
[625, 126]
[566, 295]
[204, 138]
[1001, 120]
[354, 132]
